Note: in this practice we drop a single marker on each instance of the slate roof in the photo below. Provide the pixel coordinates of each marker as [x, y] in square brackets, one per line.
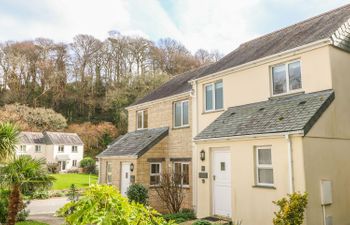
[280, 114]
[31, 138]
[62, 138]
[177, 85]
[135, 143]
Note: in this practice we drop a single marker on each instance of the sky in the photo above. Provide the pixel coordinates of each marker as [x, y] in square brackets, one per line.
[209, 24]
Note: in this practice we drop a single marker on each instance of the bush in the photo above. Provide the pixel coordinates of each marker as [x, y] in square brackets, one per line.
[182, 216]
[202, 222]
[88, 165]
[103, 204]
[291, 210]
[40, 194]
[53, 167]
[138, 193]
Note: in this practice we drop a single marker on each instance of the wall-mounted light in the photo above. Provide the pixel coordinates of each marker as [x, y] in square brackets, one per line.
[132, 167]
[202, 156]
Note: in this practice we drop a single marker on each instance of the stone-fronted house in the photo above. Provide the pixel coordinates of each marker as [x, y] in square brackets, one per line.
[268, 119]
[66, 149]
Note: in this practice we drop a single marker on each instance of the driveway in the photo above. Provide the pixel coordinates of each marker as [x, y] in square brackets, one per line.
[46, 206]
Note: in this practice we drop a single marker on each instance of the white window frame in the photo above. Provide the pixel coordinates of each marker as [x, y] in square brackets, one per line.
[109, 173]
[183, 163]
[59, 149]
[143, 119]
[263, 166]
[74, 149]
[213, 98]
[155, 174]
[74, 163]
[23, 148]
[182, 114]
[288, 91]
[37, 148]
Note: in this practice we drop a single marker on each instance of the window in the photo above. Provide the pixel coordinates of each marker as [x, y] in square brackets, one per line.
[74, 163]
[61, 148]
[264, 169]
[37, 148]
[23, 148]
[109, 172]
[286, 78]
[182, 173]
[155, 170]
[142, 119]
[181, 114]
[214, 99]
[74, 149]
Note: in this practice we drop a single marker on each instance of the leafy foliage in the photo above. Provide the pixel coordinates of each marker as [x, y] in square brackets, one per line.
[201, 222]
[102, 205]
[138, 193]
[8, 140]
[291, 210]
[88, 164]
[180, 217]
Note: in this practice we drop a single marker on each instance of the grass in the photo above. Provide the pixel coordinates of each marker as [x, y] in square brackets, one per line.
[31, 222]
[64, 181]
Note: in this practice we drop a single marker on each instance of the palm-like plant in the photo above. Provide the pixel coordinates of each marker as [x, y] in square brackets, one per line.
[18, 173]
[8, 140]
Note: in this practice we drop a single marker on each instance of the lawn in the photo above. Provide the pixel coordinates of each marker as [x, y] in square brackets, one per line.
[64, 181]
[31, 222]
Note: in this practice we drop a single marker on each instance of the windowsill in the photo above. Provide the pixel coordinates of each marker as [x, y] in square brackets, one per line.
[182, 127]
[264, 186]
[213, 111]
[300, 91]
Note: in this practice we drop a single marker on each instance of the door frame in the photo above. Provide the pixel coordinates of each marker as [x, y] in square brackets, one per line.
[121, 175]
[213, 150]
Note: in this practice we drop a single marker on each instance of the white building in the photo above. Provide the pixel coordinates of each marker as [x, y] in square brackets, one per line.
[66, 149]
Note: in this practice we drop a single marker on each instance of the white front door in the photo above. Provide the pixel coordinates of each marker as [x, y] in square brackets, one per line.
[125, 178]
[221, 171]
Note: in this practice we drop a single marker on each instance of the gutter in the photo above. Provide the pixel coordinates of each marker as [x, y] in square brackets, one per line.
[253, 63]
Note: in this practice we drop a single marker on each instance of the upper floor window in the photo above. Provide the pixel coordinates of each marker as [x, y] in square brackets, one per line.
[264, 169]
[37, 148]
[142, 119]
[286, 78]
[74, 149]
[213, 96]
[23, 148]
[61, 148]
[181, 113]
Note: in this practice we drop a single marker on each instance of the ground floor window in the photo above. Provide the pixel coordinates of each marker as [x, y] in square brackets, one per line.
[264, 168]
[182, 173]
[155, 171]
[74, 163]
[109, 172]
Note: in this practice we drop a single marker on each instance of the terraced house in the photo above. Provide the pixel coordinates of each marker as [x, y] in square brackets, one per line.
[268, 119]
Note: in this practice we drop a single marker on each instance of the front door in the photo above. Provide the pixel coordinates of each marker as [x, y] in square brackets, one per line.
[221, 171]
[125, 178]
[62, 165]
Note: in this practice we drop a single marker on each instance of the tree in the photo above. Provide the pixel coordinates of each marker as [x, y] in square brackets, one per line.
[103, 204]
[88, 164]
[8, 140]
[21, 172]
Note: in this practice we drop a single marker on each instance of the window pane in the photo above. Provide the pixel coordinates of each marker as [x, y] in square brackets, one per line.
[177, 114]
[294, 76]
[154, 179]
[186, 174]
[145, 119]
[185, 113]
[154, 168]
[139, 119]
[209, 97]
[219, 102]
[279, 79]
[264, 156]
[265, 176]
[177, 173]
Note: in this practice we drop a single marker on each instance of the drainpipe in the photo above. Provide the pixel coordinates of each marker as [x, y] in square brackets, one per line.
[290, 164]
[194, 147]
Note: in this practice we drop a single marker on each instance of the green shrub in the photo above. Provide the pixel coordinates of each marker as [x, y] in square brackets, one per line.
[88, 164]
[138, 193]
[182, 216]
[201, 222]
[291, 210]
[103, 204]
[40, 194]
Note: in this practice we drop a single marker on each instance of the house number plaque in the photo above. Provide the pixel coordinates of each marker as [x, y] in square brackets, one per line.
[203, 175]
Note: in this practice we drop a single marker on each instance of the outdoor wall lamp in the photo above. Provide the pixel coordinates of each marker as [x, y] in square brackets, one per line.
[132, 167]
[202, 155]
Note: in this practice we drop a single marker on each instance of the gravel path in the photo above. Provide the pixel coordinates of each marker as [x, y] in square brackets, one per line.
[46, 206]
[47, 218]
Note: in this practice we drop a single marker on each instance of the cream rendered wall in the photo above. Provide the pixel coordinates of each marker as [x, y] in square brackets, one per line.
[67, 151]
[253, 84]
[252, 205]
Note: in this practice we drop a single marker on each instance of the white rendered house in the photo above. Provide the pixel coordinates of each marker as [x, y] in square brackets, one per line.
[66, 149]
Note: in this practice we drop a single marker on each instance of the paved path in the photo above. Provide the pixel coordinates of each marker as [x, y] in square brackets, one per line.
[46, 206]
[47, 218]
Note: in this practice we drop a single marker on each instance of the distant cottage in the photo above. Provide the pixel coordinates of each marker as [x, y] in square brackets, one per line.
[66, 149]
